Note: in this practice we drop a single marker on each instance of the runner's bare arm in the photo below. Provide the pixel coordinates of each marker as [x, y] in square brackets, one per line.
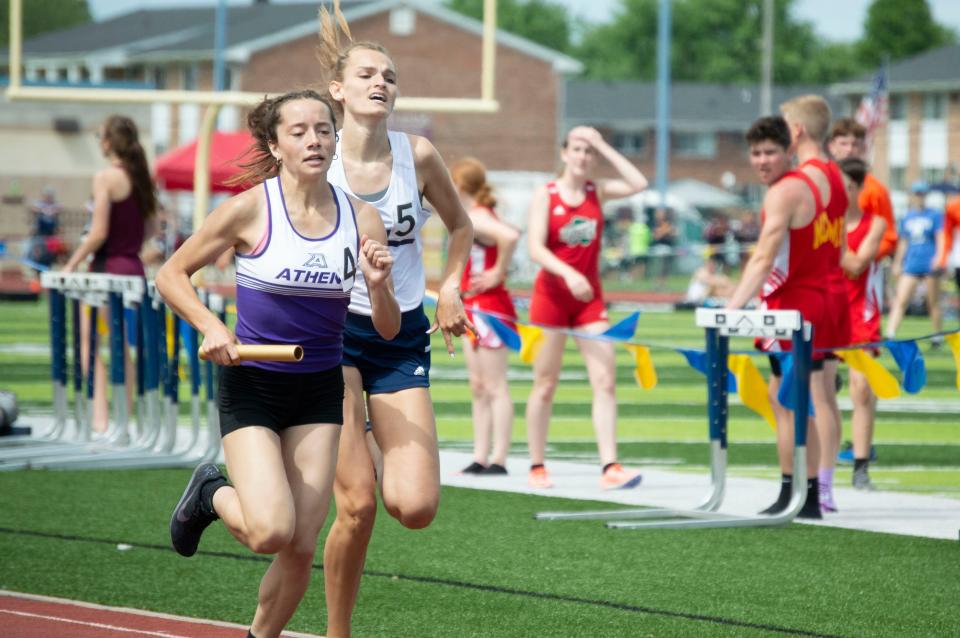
[779, 205]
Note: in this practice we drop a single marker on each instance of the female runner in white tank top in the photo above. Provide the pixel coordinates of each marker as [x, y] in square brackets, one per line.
[394, 171]
[299, 248]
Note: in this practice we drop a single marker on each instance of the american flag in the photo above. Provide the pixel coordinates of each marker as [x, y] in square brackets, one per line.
[872, 111]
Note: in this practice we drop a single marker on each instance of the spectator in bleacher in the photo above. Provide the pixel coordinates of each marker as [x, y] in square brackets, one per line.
[715, 234]
[664, 241]
[124, 207]
[43, 247]
[638, 246]
[746, 234]
[709, 286]
[46, 213]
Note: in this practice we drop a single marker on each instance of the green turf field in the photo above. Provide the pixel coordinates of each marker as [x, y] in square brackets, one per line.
[485, 568]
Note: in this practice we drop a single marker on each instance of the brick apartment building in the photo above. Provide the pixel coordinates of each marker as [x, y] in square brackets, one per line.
[270, 48]
[921, 139]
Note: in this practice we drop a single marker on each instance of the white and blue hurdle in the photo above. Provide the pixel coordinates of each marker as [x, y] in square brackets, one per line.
[720, 326]
[157, 441]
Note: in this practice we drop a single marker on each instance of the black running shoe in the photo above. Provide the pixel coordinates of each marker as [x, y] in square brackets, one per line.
[811, 508]
[473, 468]
[494, 468]
[779, 507]
[783, 499]
[189, 518]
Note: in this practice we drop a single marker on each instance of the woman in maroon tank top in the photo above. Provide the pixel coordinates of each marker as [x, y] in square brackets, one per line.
[124, 203]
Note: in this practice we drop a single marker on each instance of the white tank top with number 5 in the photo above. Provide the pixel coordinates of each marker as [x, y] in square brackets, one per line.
[403, 216]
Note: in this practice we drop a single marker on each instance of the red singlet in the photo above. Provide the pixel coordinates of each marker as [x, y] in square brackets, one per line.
[496, 300]
[573, 235]
[864, 292]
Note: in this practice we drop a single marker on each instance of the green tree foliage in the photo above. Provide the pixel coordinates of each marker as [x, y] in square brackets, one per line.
[40, 16]
[896, 29]
[716, 41]
[541, 21]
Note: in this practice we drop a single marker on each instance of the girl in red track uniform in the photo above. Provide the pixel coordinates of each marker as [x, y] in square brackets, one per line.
[494, 242]
[565, 227]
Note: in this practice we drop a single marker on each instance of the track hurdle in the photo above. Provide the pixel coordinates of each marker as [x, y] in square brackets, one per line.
[720, 326]
[157, 441]
[95, 290]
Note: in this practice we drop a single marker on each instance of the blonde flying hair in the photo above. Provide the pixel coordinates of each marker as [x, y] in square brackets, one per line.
[812, 111]
[470, 176]
[333, 55]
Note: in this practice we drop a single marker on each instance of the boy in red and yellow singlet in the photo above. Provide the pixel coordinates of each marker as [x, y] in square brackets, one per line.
[796, 261]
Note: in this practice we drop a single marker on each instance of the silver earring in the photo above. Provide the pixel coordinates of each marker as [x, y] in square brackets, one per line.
[335, 156]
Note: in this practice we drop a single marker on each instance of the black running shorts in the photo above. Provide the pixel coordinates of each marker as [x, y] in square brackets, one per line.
[277, 400]
[776, 369]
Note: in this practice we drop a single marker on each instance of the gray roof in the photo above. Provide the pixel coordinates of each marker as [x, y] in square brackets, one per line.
[176, 29]
[187, 33]
[934, 70]
[693, 106]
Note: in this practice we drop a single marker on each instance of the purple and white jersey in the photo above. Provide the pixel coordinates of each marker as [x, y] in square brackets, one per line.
[296, 289]
[403, 216]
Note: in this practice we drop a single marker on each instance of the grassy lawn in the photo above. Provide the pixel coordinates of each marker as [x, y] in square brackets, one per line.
[485, 568]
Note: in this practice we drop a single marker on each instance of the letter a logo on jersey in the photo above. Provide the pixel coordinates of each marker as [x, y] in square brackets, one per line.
[317, 260]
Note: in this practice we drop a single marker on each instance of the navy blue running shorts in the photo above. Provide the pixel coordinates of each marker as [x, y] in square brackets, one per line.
[250, 396]
[389, 366]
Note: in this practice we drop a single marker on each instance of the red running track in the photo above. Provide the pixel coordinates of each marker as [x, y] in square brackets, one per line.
[29, 616]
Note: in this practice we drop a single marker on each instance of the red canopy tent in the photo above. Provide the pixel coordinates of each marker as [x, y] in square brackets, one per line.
[174, 169]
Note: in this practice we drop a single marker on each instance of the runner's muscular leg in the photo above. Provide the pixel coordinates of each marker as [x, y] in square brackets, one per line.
[355, 491]
[309, 457]
[258, 508]
[406, 432]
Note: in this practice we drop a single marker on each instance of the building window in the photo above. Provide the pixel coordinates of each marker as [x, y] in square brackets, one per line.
[702, 145]
[403, 21]
[159, 77]
[898, 178]
[898, 107]
[933, 175]
[630, 143]
[934, 106]
[190, 77]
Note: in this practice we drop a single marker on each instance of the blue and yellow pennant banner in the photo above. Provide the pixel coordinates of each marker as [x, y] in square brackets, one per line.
[744, 378]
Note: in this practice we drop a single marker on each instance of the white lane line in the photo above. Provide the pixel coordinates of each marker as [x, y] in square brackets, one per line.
[139, 612]
[161, 634]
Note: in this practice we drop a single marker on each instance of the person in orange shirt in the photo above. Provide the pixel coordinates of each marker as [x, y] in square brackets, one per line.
[951, 251]
[848, 139]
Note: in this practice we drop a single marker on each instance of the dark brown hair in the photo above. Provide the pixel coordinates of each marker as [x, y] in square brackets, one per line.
[848, 126]
[121, 135]
[470, 175]
[263, 121]
[855, 169]
[773, 128]
[332, 55]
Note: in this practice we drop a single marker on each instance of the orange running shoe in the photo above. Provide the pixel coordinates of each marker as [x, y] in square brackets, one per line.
[539, 478]
[617, 478]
